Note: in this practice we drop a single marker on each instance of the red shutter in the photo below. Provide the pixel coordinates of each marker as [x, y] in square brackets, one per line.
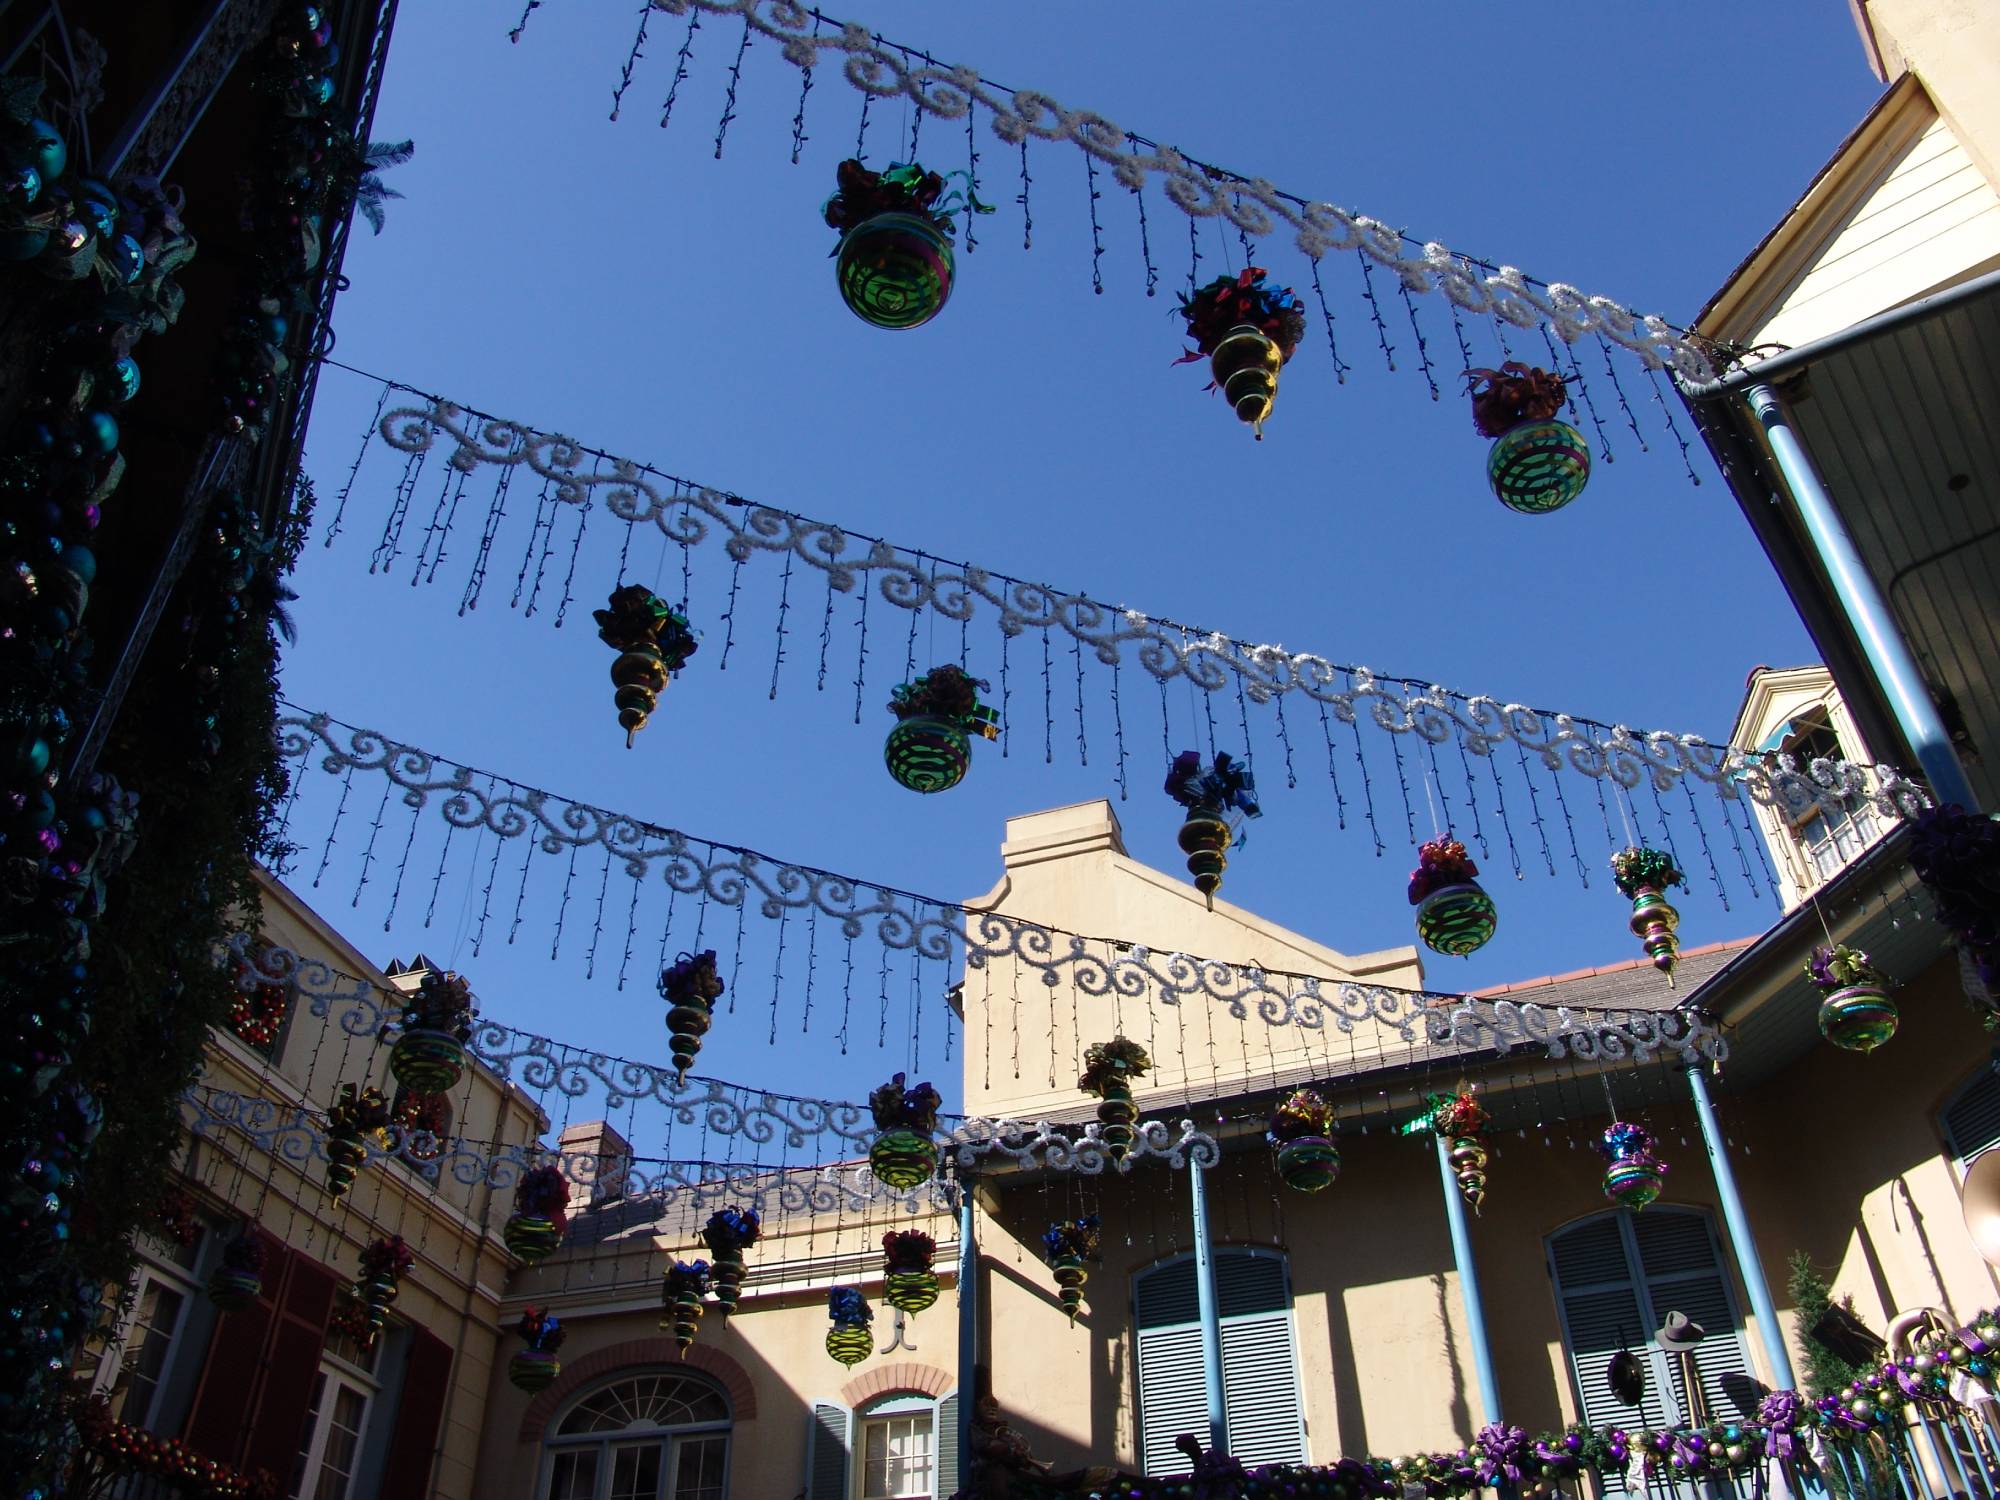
[290, 1365]
[426, 1383]
[232, 1371]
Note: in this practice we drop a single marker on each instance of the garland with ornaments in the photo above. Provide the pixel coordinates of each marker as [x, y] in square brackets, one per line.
[110, 1450]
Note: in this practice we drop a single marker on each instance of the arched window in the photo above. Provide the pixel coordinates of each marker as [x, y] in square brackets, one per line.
[1260, 1368]
[1617, 1276]
[1971, 1119]
[658, 1435]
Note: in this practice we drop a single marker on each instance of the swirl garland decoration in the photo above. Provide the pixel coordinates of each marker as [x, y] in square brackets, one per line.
[886, 70]
[1266, 674]
[732, 876]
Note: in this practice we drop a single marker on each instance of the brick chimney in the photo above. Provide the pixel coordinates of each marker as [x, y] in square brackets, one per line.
[613, 1152]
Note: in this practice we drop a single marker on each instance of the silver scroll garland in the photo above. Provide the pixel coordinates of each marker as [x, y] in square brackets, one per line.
[690, 516]
[885, 71]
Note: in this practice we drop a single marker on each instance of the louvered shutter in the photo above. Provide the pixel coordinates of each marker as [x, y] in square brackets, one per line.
[944, 1443]
[827, 1460]
[1972, 1119]
[1683, 1273]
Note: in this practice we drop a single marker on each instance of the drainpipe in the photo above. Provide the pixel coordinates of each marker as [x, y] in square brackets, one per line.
[968, 1329]
[1211, 1320]
[1777, 1358]
[1867, 611]
[1468, 1283]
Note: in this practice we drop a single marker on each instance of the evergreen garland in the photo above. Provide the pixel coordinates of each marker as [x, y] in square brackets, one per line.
[1824, 1373]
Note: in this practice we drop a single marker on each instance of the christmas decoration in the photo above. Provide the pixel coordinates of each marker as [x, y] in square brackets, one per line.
[685, 1284]
[176, 1217]
[1109, 1070]
[1246, 330]
[358, 1116]
[1643, 875]
[1461, 1120]
[653, 642]
[1855, 1011]
[424, 1123]
[541, 1202]
[849, 1339]
[930, 749]
[908, 1282]
[1537, 464]
[1066, 1247]
[239, 1280]
[690, 986]
[436, 1023]
[1217, 798]
[728, 1233]
[536, 1367]
[384, 1264]
[257, 1011]
[109, 1449]
[1632, 1180]
[1957, 856]
[894, 256]
[904, 1155]
[1454, 913]
[1302, 1131]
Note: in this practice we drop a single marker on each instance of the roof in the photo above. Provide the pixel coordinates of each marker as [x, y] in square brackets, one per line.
[1632, 985]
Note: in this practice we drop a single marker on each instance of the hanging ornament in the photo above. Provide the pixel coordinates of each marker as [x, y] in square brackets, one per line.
[1644, 875]
[930, 749]
[358, 1116]
[257, 1009]
[384, 1264]
[1537, 464]
[1218, 799]
[1461, 1119]
[536, 1367]
[1066, 1247]
[904, 1154]
[1633, 1178]
[1302, 1131]
[429, 1055]
[1855, 1011]
[541, 1214]
[728, 1233]
[1109, 1071]
[849, 1339]
[690, 986]
[653, 642]
[908, 1282]
[686, 1283]
[239, 1280]
[1246, 330]
[1454, 913]
[894, 259]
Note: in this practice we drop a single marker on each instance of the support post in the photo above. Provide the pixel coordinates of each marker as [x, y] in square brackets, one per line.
[968, 1328]
[1468, 1283]
[1209, 1311]
[1867, 611]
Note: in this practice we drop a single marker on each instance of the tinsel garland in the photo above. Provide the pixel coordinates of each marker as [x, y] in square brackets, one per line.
[111, 1448]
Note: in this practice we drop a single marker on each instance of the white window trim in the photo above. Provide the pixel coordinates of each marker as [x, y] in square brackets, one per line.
[338, 1373]
[551, 1445]
[900, 1406]
[154, 1267]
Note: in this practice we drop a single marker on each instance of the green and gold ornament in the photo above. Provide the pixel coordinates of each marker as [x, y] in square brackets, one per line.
[1855, 1011]
[1644, 875]
[1461, 1120]
[1537, 464]
[930, 749]
[908, 1282]
[384, 1264]
[1218, 797]
[535, 1228]
[1301, 1132]
[903, 1154]
[728, 1233]
[239, 1280]
[1454, 914]
[1246, 330]
[653, 642]
[685, 1284]
[536, 1367]
[690, 985]
[1109, 1071]
[429, 1055]
[1634, 1177]
[359, 1115]
[894, 256]
[1067, 1247]
[849, 1340]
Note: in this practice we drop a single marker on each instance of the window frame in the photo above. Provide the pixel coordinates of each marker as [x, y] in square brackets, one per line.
[182, 1278]
[669, 1438]
[335, 1374]
[897, 1406]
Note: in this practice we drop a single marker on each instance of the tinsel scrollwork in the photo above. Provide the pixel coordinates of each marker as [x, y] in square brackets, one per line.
[1607, 1036]
[1064, 1149]
[1253, 206]
[356, 1003]
[1215, 663]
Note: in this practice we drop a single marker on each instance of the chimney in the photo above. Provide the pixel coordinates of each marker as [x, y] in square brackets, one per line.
[613, 1154]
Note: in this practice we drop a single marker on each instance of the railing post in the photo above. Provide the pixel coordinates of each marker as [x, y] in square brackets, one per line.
[1468, 1283]
[1209, 1312]
[1777, 1359]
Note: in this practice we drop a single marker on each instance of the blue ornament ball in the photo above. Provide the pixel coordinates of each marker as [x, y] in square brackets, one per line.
[81, 561]
[20, 186]
[119, 381]
[126, 257]
[44, 150]
[102, 428]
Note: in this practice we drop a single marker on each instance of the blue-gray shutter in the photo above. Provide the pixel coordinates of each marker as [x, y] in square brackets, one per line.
[827, 1460]
[1683, 1272]
[1972, 1119]
[944, 1427]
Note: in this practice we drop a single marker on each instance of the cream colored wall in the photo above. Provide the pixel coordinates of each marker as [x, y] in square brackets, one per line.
[1954, 47]
[1024, 1041]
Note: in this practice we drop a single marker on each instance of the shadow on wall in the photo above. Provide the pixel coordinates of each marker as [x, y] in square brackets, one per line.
[1461, 1410]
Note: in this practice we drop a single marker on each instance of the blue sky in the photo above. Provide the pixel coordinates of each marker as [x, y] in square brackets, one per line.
[619, 284]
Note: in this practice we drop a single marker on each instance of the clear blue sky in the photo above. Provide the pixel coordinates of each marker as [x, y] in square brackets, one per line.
[617, 283]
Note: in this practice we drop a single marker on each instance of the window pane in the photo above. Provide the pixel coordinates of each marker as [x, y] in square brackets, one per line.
[635, 1472]
[573, 1475]
[298, 1483]
[698, 1466]
[896, 1458]
[343, 1441]
[146, 1349]
[645, 1401]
